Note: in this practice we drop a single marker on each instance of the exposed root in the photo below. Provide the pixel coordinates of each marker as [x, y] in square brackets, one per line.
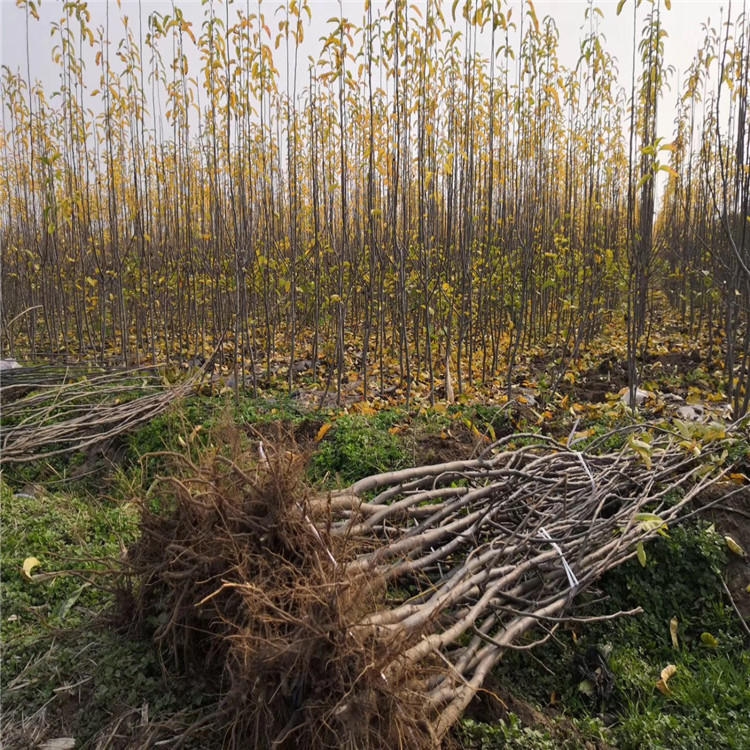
[246, 589]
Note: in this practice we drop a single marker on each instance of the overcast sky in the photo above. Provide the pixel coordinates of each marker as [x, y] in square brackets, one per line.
[682, 23]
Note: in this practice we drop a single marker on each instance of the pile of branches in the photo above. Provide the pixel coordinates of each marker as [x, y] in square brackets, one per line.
[370, 617]
[53, 410]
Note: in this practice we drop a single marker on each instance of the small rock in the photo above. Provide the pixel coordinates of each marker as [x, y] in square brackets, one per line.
[690, 413]
[8, 364]
[640, 396]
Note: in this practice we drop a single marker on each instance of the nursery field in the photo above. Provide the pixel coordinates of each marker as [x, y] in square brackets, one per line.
[375, 374]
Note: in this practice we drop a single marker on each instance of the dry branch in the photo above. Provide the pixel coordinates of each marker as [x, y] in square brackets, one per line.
[83, 410]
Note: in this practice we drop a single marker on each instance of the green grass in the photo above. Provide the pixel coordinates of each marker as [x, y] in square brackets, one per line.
[511, 734]
[357, 446]
[65, 669]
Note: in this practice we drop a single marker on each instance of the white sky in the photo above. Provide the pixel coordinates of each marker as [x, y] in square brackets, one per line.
[682, 23]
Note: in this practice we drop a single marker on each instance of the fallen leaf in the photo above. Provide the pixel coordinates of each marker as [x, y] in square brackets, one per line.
[59, 743]
[642, 448]
[673, 624]
[641, 554]
[364, 408]
[69, 603]
[708, 640]
[734, 547]
[651, 522]
[28, 565]
[587, 687]
[322, 431]
[666, 674]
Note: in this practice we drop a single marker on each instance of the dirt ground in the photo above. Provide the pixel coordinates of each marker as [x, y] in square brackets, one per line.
[730, 512]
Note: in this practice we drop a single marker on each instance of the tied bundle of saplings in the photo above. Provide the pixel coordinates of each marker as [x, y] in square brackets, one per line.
[370, 616]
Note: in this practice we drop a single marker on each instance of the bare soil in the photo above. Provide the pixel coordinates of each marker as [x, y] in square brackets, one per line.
[731, 514]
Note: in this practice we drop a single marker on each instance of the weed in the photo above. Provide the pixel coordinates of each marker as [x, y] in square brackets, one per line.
[511, 734]
[64, 670]
[356, 447]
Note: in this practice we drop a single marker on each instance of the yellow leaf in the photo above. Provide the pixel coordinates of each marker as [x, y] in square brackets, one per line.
[673, 624]
[195, 432]
[651, 522]
[322, 431]
[28, 565]
[666, 674]
[734, 547]
[708, 640]
[642, 448]
[181, 441]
